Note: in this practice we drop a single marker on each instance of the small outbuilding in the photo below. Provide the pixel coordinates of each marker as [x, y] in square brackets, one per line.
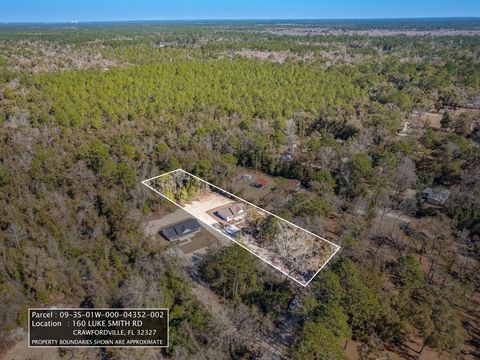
[260, 183]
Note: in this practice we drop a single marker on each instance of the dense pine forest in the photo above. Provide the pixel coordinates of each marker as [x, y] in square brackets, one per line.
[379, 117]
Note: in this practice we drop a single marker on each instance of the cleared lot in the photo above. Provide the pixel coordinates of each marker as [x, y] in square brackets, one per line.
[242, 185]
[201, 207]
[292, 250]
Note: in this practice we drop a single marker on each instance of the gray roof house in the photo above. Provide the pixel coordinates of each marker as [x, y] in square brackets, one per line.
[436, 196]
[231, 212]
[181, 230]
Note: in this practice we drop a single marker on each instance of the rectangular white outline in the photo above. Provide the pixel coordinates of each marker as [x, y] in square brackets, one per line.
[101, 346]
[144, 182]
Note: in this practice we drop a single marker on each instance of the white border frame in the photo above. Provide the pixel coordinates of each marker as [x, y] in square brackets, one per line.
[145, 182]
[100, 346]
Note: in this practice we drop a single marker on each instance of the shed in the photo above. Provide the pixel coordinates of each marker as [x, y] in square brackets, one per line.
[259, 183]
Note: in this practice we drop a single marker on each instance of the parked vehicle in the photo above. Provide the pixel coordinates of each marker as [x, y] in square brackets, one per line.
[293, 303]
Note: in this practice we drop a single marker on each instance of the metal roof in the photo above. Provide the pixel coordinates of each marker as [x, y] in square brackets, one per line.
[261, 181]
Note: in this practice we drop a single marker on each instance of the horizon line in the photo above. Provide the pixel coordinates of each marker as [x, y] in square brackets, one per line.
[52, 22]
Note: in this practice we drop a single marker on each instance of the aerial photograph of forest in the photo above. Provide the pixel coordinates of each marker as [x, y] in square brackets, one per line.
[363, 129]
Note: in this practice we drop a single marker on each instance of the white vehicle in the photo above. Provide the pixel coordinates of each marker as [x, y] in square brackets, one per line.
[232, 230]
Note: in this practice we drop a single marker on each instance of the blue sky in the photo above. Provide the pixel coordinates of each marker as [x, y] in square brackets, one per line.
[108, 10]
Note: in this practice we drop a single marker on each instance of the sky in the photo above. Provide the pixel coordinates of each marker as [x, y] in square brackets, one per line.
[120, 10]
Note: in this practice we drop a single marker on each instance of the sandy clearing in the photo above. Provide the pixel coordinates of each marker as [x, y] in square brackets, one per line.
[208, 202]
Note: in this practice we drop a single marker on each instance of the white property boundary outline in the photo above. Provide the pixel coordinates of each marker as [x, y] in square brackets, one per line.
[144, 182]
[100, 346]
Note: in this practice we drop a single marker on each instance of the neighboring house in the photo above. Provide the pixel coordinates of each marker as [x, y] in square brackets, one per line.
[405, 131]
[436, 196]
[231, 212]
[87, 276]
[260, 183]
[181, 230]
[287, 156]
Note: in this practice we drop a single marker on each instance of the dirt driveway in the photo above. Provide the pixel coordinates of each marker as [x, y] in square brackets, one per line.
[199, 208]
